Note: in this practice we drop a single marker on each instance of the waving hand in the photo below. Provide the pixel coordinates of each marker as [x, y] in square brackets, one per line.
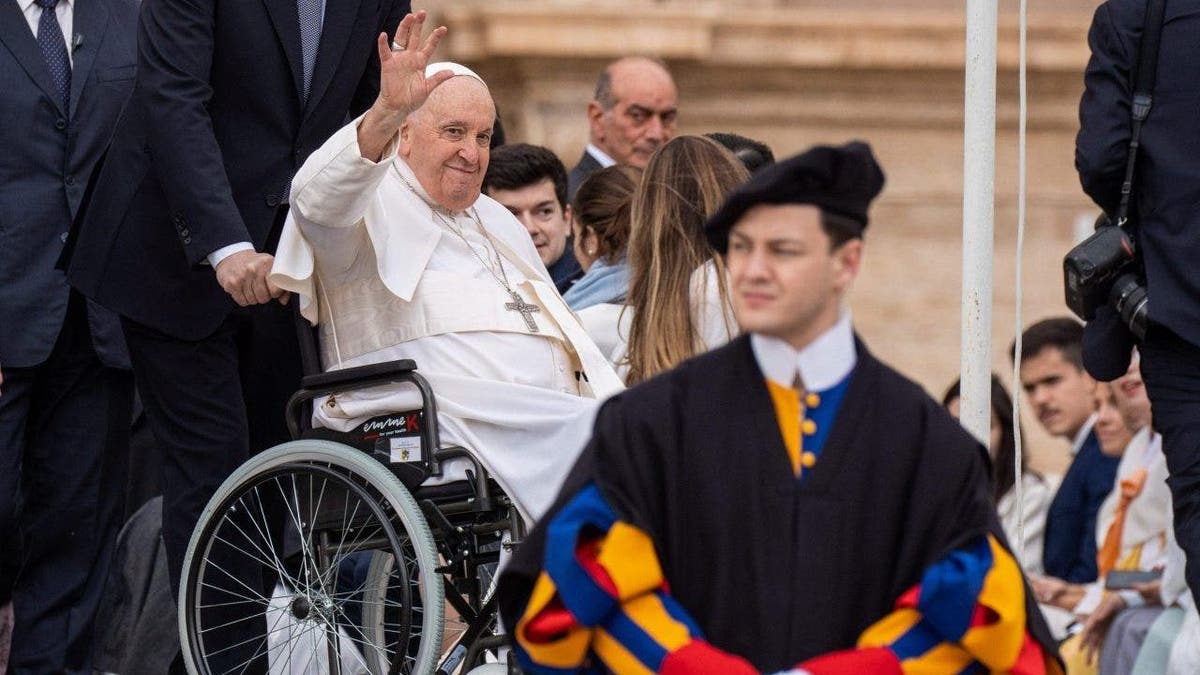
[403, 86]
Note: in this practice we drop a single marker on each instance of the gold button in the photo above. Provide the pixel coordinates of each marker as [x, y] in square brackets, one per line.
[808, 460]
[809, 427]
[812, 400]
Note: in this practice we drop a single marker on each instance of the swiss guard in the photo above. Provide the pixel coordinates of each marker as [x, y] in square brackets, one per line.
[786, 502]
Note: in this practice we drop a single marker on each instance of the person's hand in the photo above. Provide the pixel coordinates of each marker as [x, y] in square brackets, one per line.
[403, 86]
[1151, 591]
[1096, 626]
[1047, 589]
[243, 275]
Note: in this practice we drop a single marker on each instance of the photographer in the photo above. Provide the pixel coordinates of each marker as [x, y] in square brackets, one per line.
[1164, 213]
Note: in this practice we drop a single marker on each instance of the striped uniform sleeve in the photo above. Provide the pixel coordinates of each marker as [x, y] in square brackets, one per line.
[967, 615]
[601, 603]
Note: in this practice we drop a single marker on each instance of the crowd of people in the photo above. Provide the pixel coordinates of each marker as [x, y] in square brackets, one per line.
[652, 353]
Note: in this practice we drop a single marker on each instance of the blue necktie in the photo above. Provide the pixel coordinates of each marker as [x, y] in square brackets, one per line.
[311, 17]
[54, 50]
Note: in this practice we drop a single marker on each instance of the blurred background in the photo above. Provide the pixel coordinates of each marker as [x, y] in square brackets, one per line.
[797, 72]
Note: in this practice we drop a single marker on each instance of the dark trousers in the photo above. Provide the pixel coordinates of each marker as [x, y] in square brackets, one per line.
[211, 404]
[1171, 370]
[64, 444]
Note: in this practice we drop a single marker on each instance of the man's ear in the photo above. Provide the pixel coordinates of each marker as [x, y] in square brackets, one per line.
[847, 260]
[569, 219]
[595, 121]
[406, 132]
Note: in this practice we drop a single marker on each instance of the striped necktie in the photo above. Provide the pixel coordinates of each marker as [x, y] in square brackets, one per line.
[54, 50]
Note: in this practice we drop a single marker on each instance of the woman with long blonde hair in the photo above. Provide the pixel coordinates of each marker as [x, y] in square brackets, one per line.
[677, 287]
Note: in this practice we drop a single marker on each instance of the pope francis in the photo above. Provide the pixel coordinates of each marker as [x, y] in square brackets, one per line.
[395, 254]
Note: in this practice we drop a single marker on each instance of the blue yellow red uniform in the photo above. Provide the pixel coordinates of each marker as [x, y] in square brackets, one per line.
[694, 535]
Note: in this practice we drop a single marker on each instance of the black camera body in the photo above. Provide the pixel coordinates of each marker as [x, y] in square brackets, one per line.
[1106, 269]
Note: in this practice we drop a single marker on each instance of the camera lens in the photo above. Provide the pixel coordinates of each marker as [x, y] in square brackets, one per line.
[1128, 297]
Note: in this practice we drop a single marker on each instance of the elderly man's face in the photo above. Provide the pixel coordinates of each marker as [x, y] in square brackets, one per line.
[446, 141]
[643, 117]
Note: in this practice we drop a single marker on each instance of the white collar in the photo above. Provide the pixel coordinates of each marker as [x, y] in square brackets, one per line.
[1082, 434]
[600, 156]
[26, 5]
[822, 364]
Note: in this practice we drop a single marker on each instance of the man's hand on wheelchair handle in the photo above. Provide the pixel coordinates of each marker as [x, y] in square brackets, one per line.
[243, 275]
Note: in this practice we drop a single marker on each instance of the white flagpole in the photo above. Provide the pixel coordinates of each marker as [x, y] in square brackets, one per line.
[979, 170]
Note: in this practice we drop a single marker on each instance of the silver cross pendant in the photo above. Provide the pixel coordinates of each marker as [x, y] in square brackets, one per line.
[519, 305]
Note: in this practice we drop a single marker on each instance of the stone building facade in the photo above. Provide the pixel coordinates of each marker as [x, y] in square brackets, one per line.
[797, 72]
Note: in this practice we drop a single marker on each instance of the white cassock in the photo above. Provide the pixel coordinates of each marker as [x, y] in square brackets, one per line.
[386, 275]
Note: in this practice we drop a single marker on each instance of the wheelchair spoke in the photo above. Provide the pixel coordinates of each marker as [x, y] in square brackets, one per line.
[260, 599]
[278, 565]
[338, 535]
[293, 505]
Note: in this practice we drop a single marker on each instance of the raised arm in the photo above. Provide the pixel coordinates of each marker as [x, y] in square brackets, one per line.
[336, 184]
[403, 86]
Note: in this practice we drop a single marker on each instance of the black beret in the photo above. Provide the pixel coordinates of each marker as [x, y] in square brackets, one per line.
[839, 179]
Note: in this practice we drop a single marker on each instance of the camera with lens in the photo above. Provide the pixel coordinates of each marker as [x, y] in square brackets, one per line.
[1106, 269]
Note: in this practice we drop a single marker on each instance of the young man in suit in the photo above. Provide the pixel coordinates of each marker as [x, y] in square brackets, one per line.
[66, 69]
[231, 97]
[1063, 396]
[631, 115]
[531, 182]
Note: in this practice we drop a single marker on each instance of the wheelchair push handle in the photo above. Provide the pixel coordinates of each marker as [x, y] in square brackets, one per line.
[364, 377]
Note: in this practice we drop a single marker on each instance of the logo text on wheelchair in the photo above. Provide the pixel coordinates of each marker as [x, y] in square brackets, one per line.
[397, 435]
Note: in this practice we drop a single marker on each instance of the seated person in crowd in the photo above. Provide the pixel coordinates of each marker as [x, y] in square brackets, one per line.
[1132, 530]
[602, 211]
[395, 254]
[1063, 396]
[753, 154]
[1065, 600]
[678, 292]
[1036, 490]
[531, 182]
[784, 502]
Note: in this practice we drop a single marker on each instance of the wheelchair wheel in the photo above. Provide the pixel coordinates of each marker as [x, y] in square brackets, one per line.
[275, 573]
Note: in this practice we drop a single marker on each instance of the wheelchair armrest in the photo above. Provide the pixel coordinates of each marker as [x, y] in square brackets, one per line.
[363, 377]
[359, 375]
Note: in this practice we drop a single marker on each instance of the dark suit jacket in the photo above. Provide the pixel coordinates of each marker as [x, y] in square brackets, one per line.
[1168, 185]
[48, 155]
[1070, 545]
[587, 166]
[206, 150]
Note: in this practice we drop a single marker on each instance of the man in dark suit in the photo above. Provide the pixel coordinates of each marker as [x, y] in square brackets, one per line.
[230, 99]
[1166, 211]
[66, 70]
[1063, 396]
[630, 116]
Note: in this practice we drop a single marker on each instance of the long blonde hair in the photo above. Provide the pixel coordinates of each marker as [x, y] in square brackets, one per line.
[685, 182]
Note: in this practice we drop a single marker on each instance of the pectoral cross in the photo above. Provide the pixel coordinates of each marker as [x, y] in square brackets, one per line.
[526, 310]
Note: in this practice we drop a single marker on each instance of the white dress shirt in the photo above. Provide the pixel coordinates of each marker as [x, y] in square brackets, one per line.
[600, 156]
[822, 364]
[64, 12]
[1082, 434]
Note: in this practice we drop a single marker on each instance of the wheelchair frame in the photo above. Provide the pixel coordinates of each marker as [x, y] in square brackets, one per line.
[458, 516]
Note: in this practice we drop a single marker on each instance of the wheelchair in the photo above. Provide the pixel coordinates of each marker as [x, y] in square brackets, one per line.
[328, 554]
